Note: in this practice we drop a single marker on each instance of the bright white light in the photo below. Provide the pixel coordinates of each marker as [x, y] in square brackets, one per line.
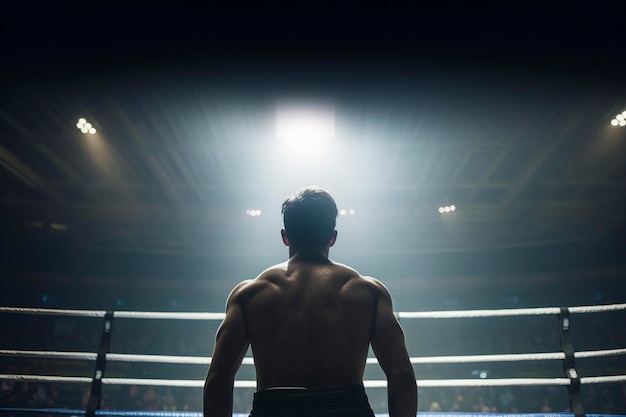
[619, 117]
[296, 120]
[441, 210]
[452, 207]
[253, 212]
[622, 123]
[342, 212]
[305, 127]
[446, 209]
[614, 122]
[352, 211]
[85, 127]
[482, 374]
[624, 113]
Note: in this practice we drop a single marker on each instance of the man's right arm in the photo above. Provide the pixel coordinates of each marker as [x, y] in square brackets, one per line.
[390, 349]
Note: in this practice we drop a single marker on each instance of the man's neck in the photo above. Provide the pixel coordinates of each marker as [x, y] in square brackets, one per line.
[312, 255]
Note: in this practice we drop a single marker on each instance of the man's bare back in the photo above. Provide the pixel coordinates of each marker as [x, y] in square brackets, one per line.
[310, 323]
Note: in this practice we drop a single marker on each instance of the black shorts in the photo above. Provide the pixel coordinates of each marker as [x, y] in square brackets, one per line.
[335, 401]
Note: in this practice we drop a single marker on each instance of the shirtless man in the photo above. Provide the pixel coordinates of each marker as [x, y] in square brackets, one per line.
[310, 322]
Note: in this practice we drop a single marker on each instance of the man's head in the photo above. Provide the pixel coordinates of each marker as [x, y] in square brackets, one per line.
[309, 218]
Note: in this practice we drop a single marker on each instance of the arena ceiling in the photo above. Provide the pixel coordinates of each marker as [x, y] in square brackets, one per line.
[518, 140]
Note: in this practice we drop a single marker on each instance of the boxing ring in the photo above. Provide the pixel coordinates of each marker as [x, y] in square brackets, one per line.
[570, 381]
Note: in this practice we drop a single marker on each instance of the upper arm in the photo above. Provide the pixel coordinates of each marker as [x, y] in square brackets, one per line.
[231, 342]
[387, 340]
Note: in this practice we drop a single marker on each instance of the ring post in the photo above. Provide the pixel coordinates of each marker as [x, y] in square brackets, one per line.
[96, 384]
[569, 364]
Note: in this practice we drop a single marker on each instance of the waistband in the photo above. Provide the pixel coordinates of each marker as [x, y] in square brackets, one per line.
[332, 401]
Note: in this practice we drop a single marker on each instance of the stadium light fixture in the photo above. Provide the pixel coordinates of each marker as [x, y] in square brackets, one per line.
[447, 209]
[619, 119]
[85, 127]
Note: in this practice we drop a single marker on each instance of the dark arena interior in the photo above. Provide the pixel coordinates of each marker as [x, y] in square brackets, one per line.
[477, 154]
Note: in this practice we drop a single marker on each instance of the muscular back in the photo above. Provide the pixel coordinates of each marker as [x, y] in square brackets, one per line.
[309, 324]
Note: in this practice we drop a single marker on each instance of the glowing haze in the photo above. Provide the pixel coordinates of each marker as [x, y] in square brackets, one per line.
[306, 127]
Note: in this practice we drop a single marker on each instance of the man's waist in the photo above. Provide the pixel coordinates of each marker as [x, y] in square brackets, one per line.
[279, 397]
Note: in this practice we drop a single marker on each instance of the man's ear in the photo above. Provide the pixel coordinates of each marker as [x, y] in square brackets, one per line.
[333, 239]
[283, 234]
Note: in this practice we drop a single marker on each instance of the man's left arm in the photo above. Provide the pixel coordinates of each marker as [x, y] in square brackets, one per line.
[231, 344]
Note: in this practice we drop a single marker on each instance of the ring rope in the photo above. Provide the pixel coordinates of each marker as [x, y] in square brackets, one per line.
[477, 313]
[409, 314]
[597, 309]
[54, 311]
[510, 312]
[427, 383]
[202, 360]
[573, 382]
[168, 315]
[46, 378]
[86, 356]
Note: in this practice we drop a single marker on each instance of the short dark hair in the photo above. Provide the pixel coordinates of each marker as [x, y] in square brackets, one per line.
[310, 218]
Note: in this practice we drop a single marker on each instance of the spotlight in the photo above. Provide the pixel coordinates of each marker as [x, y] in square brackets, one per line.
[342, 212]
[447, 209]
[297, 120]
[619, 120]
[85, 126]
[352, 211]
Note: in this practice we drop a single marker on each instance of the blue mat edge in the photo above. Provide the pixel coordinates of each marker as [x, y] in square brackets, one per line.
[122, 413]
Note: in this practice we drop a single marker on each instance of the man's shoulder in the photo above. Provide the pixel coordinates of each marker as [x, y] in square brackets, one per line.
[263, 280]
[373, 284]
[278, 269]
[358, 278]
